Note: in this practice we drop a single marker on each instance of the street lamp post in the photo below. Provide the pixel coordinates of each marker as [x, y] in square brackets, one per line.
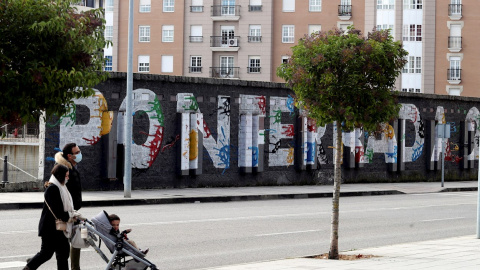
[127, 179]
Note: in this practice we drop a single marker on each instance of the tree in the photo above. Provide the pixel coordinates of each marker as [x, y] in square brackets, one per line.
[49, 54]
[347, 79]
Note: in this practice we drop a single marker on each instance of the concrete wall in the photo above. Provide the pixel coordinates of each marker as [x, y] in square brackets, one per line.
[200, 132]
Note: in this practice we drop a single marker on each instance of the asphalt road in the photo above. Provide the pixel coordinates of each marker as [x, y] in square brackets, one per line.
[201, 235]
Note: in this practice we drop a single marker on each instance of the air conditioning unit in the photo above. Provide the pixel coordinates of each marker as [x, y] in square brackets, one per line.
[233, 42]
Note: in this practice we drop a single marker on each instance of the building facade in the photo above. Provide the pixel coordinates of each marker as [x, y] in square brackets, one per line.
[249, 39]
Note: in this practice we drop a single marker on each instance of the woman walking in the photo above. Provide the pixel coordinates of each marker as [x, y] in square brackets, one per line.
[57, 205]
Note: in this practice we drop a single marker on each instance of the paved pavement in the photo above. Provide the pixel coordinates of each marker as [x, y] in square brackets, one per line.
[452, 253]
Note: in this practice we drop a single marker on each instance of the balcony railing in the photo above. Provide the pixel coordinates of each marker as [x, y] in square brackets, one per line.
[454, 74]
[254, 38]
[344, 10]
[86, 3]
[253, 69]
[223, 41]
[455, 10]
[196, 39]
[195, 69]
[254, 7]
[196, 8]
[224, 72]
[454, 42]
[226, 10]
[28, 133]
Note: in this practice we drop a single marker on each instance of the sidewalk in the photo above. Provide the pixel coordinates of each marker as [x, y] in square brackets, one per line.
[445, 254]
[25, 200]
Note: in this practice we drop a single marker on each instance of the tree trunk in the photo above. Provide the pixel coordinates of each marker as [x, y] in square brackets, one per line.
[333, 254]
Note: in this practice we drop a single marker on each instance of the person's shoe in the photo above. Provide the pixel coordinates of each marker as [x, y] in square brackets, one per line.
[26, 268]
[29, 259]
[145, 251]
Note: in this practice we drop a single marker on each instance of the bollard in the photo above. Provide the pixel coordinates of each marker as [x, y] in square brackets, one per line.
[5, 171]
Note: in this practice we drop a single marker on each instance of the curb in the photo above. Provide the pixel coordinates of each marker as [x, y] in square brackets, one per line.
[233, 198]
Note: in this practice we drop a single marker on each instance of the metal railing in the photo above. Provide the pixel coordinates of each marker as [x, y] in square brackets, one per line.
[195, 69]
[454, 9]
[27, 133]
[344, 10]
[196, 39]
[454, 42]
[224, 72]
[254, 38]
[224, 41]
[454, 74]
[253, 69]
[196, 8]
[254, 7]
[14, 174]
[225, 10]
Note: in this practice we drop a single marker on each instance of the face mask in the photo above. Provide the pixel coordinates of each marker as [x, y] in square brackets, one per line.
[78, 157]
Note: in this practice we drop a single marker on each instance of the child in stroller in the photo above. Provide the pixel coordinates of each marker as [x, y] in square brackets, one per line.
[115, 222]
[100, 226]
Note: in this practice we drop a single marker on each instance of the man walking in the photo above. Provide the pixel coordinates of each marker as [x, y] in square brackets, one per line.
[70, 157]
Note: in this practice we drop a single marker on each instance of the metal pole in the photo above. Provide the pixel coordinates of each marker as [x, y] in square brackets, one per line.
[127, 179]
[478, 196]
[5, 171]
[443, 159]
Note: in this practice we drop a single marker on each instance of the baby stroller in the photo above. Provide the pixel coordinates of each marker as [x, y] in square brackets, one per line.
[120, 249]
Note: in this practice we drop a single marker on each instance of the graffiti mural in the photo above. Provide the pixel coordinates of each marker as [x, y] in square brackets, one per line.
[251, 132]
[279, 156]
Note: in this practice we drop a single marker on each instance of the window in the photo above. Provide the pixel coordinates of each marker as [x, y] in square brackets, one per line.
[144, 33]
[288, 33]
[145, 6]
[385, 4]
[414, 65]
[254, 64]
[143, 63]
[455, 68]
[412, 32]
[197, 6]
[386, 27]
[255, 33]
[109, 32]
[288, 5]
[412, 4]
[417, 90]
[456, 7]
[228, 7]
[226, 67]
[285, 59]
[167, 63]
[108, 63]
[404, 89]
[168, 5]
[314, 28]
[167, 33]
[109, 5]
[195, 64]
[196, 34]
[315, 5]
[255, 5]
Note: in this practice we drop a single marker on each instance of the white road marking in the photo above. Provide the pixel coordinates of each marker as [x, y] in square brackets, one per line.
[441, 219]
[4, 265]
[16, 232]
[31, 255]
[282, 233]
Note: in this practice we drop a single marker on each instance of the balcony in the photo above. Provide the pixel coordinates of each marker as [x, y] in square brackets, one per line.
[344, 12]
[224, 72]
[195, 39]
[224, 44]
[225, 13]
[455, 12]
[454, 44]
[454, 76]
[195, 69]
[253, 69]
[254, 38]
[254, 8]
[196, 8]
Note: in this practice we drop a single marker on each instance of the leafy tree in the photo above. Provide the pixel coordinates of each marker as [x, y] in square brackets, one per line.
[50, 53]
[347, 79]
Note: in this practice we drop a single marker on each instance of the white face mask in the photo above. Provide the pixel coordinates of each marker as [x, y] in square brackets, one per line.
[78, 157]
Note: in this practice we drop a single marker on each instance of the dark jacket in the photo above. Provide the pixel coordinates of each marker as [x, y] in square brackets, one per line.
[74, 184]
[46, 226]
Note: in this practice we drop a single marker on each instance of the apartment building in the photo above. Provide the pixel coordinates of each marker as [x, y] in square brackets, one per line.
[249, 39]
